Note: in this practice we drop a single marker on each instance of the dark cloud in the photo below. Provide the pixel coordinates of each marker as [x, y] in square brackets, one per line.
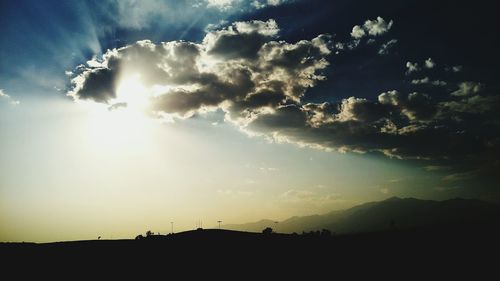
[98, 84]
[242, 40]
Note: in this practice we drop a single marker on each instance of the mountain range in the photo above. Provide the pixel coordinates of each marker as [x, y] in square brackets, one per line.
[392, 213]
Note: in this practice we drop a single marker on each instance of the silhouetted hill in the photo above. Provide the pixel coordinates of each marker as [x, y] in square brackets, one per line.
[391, 213]
[424, 251]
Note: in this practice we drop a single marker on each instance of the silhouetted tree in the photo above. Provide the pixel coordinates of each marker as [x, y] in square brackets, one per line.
[267, 231]
[149, 233]
[139, 237]
[326, 233]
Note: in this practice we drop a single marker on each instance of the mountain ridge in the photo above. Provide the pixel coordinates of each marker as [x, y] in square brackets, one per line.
[393, 212]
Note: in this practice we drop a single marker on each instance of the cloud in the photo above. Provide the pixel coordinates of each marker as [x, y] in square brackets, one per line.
[460, 176]
[309, 199]
[220, 4]
[467, 89]
[427, 80]
[232, 5]
[384, 49]
[377, 27]
[371, 27]
[436, 168]
[259, 82]
[239, 68]
[240, 40]
[4, 96]
[457, 68]
[412, 67]
[358, 32]
[293, 194]
[429, 63]
[259, 4]
[235, 193]
[475, 104]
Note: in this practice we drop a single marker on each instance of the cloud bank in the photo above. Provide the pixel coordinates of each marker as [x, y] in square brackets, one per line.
[259, 82]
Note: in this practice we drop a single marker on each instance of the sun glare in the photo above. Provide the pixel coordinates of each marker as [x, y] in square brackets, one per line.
[121, 123]
[131, 92]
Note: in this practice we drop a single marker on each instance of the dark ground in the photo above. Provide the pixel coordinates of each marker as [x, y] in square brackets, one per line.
[438, 252]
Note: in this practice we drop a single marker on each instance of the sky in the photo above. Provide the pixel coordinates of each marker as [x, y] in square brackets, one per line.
[118, 117]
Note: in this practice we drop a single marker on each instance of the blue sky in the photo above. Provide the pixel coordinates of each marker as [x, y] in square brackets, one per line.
[298, 107]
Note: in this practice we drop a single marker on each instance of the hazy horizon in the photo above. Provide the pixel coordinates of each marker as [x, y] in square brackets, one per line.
[118, 117]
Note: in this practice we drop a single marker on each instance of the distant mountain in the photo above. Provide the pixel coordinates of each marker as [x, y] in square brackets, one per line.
[391, 213]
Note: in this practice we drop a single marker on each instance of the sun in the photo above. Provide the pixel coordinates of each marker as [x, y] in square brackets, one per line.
[123, 122]
[132, 93]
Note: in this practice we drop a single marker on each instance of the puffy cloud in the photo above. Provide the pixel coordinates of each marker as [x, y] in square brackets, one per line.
[390, 97]
[8, 98]
[357, 109]
[429, 63]
[377, 27]
[239, 68]
[457, 68]
[358, 32]
[259, 83]
[371, 27]
[412, 67]
[467, 89]
[240, 40]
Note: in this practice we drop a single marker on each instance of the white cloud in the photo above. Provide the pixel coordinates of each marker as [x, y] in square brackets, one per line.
[457, 68]
[429, 63]
[8, 98]
[222, 5]
[371, 27]
[358, 32]
[412, 67]
[214, 26]
[268, 28]
[467, 89]
[377, 27]
[259, 4]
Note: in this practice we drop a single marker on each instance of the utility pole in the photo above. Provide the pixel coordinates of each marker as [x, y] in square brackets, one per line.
[172, 227]
[219, 223]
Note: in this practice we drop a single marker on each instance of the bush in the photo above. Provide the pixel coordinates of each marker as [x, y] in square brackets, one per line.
[267, 231]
